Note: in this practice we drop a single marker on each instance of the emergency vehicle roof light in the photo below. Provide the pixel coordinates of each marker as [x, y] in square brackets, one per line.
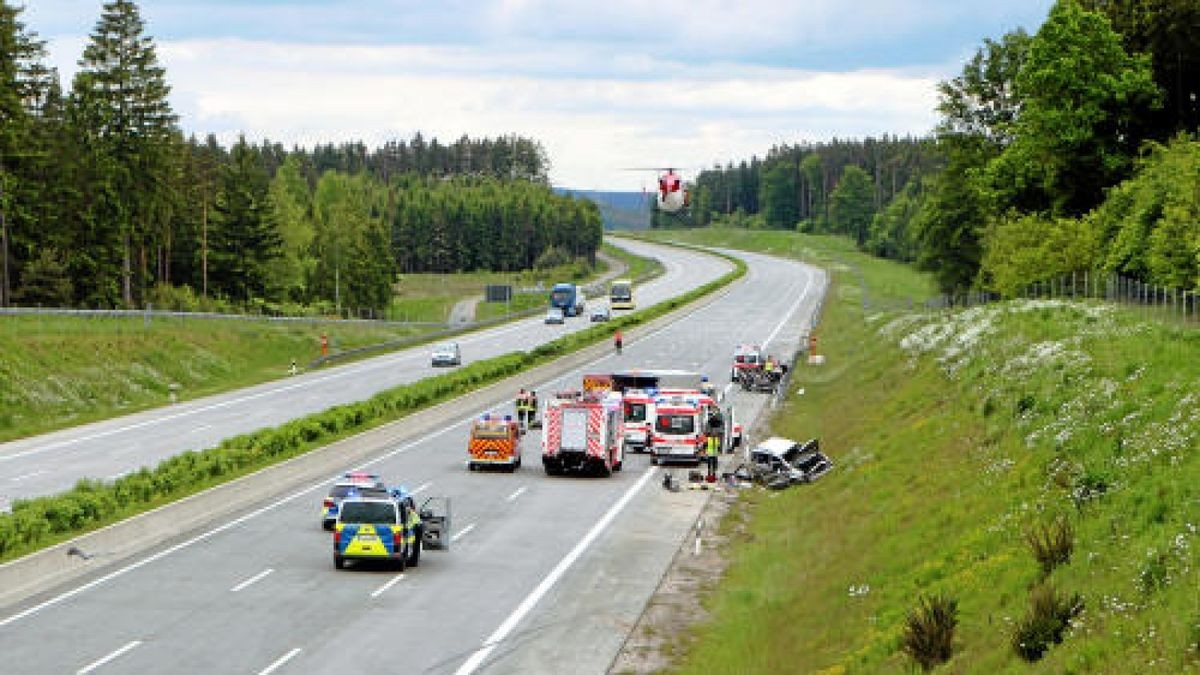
[487, 416]
[508, 418]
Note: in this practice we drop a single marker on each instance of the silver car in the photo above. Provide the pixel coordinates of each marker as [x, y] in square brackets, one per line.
[555, 315]
[601, 313]
[447, 354]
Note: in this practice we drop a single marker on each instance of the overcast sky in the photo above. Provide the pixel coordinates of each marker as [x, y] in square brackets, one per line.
[603, 85]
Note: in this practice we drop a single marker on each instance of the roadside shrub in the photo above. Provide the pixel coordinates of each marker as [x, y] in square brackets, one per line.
[929, 631]
[1050, 613]
[1051, 543]
[1154, 573]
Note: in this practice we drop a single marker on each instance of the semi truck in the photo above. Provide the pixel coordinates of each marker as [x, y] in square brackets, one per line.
[568, 298]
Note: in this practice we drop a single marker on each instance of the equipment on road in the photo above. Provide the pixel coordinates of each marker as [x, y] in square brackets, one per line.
[494, 441]
[582, 434]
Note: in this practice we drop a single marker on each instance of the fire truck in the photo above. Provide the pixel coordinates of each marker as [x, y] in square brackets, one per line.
[494, 441]
[581, 433]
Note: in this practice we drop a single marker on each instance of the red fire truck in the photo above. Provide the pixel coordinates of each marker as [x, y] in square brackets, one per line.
[582, 432]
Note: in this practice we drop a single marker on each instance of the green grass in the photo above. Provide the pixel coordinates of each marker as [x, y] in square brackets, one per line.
[60, 371]
[954, 434]
[430, 297]
[639, 268]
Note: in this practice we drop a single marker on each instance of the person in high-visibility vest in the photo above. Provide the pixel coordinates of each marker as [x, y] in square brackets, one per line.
[712, 447]
[521, 404]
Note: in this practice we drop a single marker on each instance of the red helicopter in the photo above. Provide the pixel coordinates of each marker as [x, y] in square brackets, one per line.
[672, 194]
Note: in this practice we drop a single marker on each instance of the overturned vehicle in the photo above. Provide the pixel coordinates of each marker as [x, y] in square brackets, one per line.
[781, 462]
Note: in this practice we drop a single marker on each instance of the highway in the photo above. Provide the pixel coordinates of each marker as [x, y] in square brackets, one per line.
[53, 462]
[544, 574]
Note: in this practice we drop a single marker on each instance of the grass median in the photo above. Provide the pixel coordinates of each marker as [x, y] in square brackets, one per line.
[37, 523]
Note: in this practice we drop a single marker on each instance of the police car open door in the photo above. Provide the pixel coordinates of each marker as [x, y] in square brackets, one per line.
[435, 518]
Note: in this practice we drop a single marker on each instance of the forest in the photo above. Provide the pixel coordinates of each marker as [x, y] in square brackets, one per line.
[1070, 149]
[105, 203]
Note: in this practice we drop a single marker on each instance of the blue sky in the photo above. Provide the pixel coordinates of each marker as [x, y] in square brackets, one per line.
[603, 85]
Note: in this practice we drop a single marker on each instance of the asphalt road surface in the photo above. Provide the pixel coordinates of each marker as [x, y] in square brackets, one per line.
[53, 462]
[544, 574]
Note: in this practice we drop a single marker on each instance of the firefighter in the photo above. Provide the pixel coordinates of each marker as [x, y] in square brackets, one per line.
[712, 449]
[521, 405]
[533, 407]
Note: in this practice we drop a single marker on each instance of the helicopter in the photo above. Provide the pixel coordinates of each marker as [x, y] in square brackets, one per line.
[673, 196]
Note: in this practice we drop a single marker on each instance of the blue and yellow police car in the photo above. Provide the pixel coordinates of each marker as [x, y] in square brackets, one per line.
[387, 529]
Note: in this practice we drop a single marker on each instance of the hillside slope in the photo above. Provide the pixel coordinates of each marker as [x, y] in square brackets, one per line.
[955, 436]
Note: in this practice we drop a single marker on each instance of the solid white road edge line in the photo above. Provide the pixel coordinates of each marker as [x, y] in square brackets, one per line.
[251, 580]
[65, 595]
[795, 305]
[279, 662]
[462, 532]
[383, 589]
[205, 535]
[96, 664]
[422, 487]
[518, 493]
[563, 565]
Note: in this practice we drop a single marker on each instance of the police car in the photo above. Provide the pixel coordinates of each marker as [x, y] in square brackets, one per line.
[377, 528]
[351, 484]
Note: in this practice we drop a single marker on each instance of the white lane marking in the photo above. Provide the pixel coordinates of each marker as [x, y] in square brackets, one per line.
[66, 595]
[421, 487]
[209, 534]
[561, 568]
[96, 664]
[119, 475]
[792, 310]
[520, 491]
[345, 371]
[251, 580]
[383, 589]
[202, 427]
[279, 662]
[462, 532]
[24, 476]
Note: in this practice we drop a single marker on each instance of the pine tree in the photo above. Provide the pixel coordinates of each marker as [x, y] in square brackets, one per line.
[244, 237]
[120, 98]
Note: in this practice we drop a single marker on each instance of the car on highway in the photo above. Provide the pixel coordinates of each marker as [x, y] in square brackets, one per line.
[351, 484]
[601, 313]
[377, 528]
[555, 315]
[447, 354]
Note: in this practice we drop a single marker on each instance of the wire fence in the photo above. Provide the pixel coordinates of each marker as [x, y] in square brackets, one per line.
[1156, 301]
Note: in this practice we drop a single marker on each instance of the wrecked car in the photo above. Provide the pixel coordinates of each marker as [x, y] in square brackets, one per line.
[780, 462]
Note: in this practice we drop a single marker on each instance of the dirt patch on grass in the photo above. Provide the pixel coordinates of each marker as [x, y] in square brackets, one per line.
[666, 625]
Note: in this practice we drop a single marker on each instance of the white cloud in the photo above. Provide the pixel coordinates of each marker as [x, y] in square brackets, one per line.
[590, 127]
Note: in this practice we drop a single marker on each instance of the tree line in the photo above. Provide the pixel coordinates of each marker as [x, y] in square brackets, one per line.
[1070, 149]
[104, 202]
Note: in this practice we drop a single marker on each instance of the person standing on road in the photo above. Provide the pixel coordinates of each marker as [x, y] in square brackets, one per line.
[712, 447]
[617, 340]
[519, 404]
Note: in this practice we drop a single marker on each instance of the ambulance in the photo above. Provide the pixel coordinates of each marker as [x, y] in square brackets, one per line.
[637, 416]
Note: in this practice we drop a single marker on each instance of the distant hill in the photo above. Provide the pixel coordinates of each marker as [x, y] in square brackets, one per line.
[620, 210]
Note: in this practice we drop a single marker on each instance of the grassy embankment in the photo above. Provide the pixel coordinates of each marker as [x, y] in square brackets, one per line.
[62, 371]
[956, 435]
[430, 297]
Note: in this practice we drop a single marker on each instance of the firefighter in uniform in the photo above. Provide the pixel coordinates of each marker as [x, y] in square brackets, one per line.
[531, 413]
[521, 405]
